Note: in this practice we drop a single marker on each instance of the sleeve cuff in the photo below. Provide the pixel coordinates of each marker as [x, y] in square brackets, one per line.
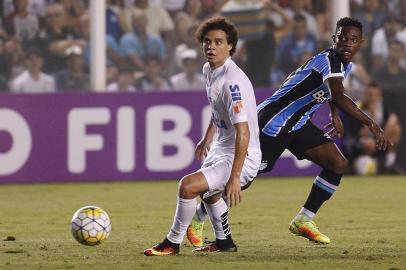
[333, 75]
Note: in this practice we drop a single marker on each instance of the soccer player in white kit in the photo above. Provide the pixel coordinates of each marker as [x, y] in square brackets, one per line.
[230, 149]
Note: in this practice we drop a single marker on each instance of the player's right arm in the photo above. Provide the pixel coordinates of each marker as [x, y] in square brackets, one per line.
[348, 106]
[203, 147]
[335, 126]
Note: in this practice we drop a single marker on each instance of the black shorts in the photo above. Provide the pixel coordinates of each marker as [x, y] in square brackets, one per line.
[297, 142]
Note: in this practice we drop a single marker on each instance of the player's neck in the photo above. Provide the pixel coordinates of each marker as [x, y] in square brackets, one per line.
[216, 65]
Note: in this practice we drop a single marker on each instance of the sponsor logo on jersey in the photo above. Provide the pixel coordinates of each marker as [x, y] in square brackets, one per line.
[235, 92]
[319, 96]
[236, 97]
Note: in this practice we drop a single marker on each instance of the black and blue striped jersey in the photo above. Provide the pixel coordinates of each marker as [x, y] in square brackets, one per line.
[302, 93]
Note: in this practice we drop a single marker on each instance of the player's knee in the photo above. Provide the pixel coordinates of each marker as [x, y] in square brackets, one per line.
[186, 188]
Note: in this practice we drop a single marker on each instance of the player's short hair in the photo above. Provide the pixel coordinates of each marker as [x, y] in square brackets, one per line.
[218, 23]
[348, 21]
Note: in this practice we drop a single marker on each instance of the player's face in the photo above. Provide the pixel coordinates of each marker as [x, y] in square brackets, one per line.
[216, 48]
[347, 41]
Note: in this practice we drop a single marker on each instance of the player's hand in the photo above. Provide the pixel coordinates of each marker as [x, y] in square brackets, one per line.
[233, 191]
[336, 127]
[202, 148]
[382, 141]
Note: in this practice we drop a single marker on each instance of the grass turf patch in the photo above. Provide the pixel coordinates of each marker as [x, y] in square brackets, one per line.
[364, 219]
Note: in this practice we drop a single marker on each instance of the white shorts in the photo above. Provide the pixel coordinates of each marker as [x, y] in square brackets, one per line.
[217, 170]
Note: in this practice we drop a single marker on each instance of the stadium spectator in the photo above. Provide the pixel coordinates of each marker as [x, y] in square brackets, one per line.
[371, 15]
[212, 7]
[322, 11]
[115, 55]
[124, 83]
[392, 30]
[392, 76]
[189, 79]
[73, 78]
[260, 53]
[112, 73]
[366, 157]
[75, 8]
[281, 22]
[33, 80]
[172, 6]
[113, 27]
[15, 58]
[3, 68]
[139, 44]
[58, 34]
[357, 80]
[160, 23]
[292, 47]
[186, 42]
[35, 7]
[21, 24]
[189, 17]
[152, 79]
[297, 7]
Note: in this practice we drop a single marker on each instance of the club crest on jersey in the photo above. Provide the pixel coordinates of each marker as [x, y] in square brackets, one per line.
[237, 107]
[236, 97]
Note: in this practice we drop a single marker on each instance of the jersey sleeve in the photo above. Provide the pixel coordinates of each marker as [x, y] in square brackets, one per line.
[234, 101]
[329, 65]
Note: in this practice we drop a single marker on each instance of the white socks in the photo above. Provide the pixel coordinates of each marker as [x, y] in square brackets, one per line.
[304, 212]
[218, 213]
[185, 209]
[200, 214]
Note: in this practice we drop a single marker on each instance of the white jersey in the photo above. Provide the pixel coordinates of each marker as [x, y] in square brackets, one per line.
[25, 83]
[232, 100]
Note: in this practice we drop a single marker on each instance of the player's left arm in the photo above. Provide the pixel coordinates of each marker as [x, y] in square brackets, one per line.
[344, 103]
[234, 100]
[233, 186]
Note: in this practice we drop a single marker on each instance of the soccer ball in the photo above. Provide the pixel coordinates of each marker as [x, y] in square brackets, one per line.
[90, 225]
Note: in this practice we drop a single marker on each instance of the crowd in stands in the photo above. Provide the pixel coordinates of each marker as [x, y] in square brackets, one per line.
[44, 47]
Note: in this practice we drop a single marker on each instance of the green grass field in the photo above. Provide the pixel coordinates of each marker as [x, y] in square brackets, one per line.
[365, 219]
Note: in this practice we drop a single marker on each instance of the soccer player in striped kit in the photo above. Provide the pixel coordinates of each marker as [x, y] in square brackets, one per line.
[284, 123]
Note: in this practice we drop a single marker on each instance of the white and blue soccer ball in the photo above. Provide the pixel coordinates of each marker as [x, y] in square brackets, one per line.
[90, 225]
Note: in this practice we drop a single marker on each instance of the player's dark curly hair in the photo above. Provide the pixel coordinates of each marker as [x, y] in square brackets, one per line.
[218, 23]
[348, 21]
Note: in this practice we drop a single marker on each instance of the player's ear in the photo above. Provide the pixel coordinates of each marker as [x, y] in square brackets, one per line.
[230, 47]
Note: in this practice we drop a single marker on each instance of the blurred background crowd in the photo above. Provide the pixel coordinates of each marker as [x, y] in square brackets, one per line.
[44, 47]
